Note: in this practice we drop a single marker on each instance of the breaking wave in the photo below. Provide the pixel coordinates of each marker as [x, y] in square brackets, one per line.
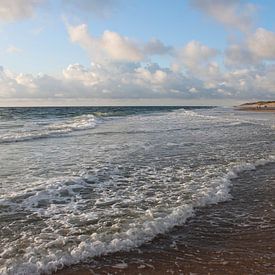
[55, 129]
[58, 191]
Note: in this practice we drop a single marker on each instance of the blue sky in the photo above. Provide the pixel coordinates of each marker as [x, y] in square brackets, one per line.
[204, 50]
[51, 50]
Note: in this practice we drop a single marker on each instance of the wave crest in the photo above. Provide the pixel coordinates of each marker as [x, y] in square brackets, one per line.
[78, 123]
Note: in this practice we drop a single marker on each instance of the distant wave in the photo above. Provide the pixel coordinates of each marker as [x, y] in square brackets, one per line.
[228, 121]
[78, 123]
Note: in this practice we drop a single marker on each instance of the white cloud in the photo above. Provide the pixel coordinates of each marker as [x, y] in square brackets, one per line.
[256, 48]
[120, 48]
[134, 81]
[197, 60]
[99, 81]
[195, 53]
[12, 10]
[156, 77]
[238, 55]
[26, 80]
[110, 45]
[156, 47]
[114, 47]
[232, 13]
[79, 73]
[262, 44]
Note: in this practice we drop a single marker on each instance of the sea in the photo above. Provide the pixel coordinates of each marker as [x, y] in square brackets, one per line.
[80, 183]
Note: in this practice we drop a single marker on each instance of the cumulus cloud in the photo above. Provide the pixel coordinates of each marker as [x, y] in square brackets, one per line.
[155, 77]
[156, 47]
[255, 49]
[119, 47]
[197, 59]
[261, 43]
[195, 53]
[231, 13]
[110, 45]
[135, 81]
[238, 56]
[79, 73]
[14, 85]
[111, 50]
[110, 81]
[114, 46]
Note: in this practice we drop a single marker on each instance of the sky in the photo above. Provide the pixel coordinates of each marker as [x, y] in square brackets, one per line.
[136, 52]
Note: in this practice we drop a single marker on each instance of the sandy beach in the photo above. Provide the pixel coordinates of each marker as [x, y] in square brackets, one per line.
[234, 237]
[261, 106]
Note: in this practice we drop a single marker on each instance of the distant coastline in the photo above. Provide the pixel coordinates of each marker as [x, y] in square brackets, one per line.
[261, 106]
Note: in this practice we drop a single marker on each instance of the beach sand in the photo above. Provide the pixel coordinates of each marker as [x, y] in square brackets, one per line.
[233, 237]
[256, 110]
[261, 106]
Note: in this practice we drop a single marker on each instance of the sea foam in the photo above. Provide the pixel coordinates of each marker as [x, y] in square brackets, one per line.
[87, 247]
[53, 129]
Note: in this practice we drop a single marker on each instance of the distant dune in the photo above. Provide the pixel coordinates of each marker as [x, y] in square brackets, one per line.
[258, 106]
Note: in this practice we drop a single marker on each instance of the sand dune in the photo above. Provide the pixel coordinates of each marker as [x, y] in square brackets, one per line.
[258, 106]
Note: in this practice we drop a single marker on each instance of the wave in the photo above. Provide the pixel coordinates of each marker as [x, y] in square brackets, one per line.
[225, 121]
[195, 114]
[135, 235]
[78, 123]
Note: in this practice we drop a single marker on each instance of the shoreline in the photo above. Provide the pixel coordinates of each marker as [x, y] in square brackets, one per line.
[256, 110]
[236, 236]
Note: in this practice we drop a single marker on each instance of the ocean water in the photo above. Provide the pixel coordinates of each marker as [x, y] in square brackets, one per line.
[81, 182]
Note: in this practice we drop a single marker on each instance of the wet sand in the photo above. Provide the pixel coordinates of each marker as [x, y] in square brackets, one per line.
[233, 237]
